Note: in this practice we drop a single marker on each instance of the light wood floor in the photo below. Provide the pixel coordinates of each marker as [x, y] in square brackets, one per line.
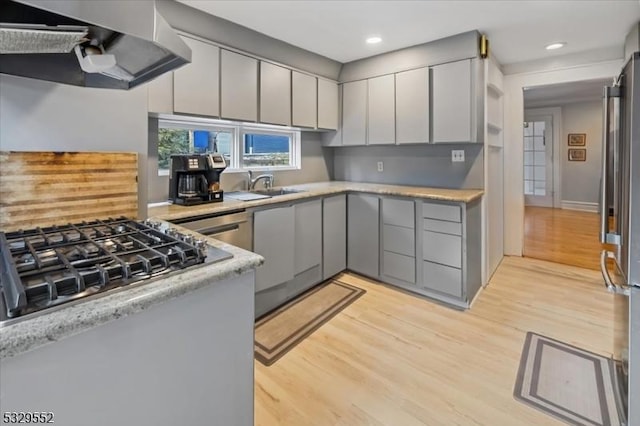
[391, 358]
[563, 236]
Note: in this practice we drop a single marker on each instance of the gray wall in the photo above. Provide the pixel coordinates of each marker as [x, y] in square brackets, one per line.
[43, 116]
[428, 165]
[454, 48]
[632, 41]
[581, 179]
[190, 20]
[317, 164]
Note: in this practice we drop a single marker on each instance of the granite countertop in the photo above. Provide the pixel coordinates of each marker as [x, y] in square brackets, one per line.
[39, 330]
[175, 212]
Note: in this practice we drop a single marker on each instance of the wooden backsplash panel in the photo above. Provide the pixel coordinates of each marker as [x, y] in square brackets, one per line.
[47, 188]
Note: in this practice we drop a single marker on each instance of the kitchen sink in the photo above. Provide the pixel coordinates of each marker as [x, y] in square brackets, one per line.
[259, 194]
[276, 192]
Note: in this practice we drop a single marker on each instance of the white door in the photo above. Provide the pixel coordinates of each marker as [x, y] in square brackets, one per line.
[538, 161]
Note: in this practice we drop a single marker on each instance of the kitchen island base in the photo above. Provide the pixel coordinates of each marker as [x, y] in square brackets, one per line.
[186, 361]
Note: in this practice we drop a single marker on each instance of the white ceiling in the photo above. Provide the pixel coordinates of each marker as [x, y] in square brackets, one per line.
[518, 30]
[566, 93]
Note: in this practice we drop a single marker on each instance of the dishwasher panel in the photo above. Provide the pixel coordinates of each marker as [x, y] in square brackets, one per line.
[233, 228]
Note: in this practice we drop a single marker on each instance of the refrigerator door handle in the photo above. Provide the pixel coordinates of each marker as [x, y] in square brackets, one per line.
[608, 282]
[604, 189]
[607, 236]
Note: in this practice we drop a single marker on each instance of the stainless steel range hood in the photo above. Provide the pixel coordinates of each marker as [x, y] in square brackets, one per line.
[115, 44]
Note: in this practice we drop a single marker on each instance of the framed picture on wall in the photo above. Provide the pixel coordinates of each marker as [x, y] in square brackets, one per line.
[577, 139]
[577, 155]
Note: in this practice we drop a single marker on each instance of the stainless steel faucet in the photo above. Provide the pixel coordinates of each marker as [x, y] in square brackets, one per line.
[268, 180]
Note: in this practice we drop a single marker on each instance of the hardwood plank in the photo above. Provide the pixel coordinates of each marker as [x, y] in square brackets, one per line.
[393, 358]
[563, 236]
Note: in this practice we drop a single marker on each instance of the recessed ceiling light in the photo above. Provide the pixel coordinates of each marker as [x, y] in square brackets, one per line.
[374, 40]
[557, 45]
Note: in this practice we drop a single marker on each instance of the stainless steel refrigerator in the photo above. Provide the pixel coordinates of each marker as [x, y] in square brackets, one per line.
[620, 226]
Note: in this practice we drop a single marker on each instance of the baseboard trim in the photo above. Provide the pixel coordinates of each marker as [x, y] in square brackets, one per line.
[579, 205]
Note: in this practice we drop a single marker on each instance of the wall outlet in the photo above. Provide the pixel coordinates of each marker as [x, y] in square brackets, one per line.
[380, 166]
[457, 156]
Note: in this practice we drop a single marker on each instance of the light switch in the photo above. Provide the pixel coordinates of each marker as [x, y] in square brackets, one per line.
[380, 166]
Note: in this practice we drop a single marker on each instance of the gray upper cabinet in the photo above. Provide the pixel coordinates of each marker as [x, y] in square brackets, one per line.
[328, 102]
[334, 235]
[195, 85]
[308, 235]
[274, 239]
[275, 94]
[238, 86]
[335, 138]
[381, 121]
[363, 234]
[451, 101]
[354, 113]
[160, 92]
[412, 106]
[304, 100]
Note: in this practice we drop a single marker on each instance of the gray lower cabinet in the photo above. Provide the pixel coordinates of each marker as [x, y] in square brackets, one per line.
[275, 94]
[451, 101]
[334, 235]
[238, 86]
[363, 234]
[354, 113]
[398, 247]
[304, 100]
[412, 106]
[195, 85]
[443, 279]
[398, 267]
[290, 239]
[451, 251]
[433, 248]
[274, 239]
[308, 235]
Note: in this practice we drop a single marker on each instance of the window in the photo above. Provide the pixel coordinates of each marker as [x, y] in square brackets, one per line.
[267, 149]
[244, 146]
[534, 158]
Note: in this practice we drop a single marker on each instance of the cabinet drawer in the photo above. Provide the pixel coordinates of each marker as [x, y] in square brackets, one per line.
[442, 248]
[398, 212]
[399, 240]
[399, 266]
[441, 212]
[443, 279]
[442, 226]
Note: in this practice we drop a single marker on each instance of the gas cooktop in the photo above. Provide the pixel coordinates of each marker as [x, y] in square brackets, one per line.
[42, 268]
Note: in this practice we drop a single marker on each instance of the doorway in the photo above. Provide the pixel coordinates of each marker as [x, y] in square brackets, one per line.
[561, 223]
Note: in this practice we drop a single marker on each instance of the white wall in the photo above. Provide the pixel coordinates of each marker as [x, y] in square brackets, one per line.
[513, 142]
[581, 180]
[39, 115]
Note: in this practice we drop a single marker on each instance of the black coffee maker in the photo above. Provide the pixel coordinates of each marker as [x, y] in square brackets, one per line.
[195, 179]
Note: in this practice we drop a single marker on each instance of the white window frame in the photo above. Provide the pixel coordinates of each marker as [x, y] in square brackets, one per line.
[238, 130]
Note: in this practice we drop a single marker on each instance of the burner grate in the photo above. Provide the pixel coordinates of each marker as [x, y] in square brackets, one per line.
[44, 267]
